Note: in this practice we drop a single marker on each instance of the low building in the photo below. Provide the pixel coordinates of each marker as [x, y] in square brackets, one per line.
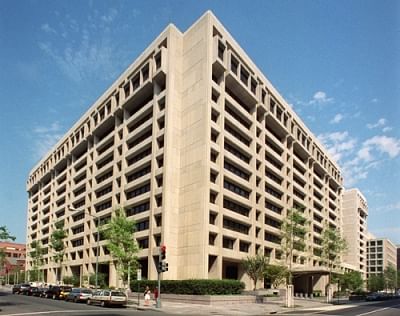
[381, 253]
[15, 254]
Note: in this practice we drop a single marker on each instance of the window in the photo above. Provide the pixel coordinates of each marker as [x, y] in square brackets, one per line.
[236, 189]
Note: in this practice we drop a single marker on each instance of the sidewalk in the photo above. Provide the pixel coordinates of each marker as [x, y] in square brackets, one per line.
[234, 309]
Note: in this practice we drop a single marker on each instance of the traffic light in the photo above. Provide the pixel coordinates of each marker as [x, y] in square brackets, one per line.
[163, 252]
[162, 266]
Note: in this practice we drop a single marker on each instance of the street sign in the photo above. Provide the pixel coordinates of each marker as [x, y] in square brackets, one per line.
[139, 274]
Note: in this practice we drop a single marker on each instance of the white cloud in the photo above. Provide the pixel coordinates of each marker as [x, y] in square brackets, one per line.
[45, 138]
[338, 144]
[320, 97]
[375, 100]
[381, 122]
[110, 16]
[358, 159]
[91, 53]
[48, 29]
[387, 129]
[384, 144]
[364, 154]
[337, 118]
[389, 207]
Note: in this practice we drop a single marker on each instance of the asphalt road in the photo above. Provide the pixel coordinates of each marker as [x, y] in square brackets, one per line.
[383, 308]
[21, 305]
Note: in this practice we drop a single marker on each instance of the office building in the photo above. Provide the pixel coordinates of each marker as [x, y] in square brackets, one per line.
[354, 228]
[202, 151]
[381, 253]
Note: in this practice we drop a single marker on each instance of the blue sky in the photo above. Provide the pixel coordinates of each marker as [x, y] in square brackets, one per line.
[336, 62]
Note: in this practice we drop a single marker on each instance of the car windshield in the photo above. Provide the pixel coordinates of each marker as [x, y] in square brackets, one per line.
[86, 291]
[117, 293]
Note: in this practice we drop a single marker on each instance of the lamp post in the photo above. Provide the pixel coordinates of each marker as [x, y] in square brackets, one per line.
[98, 240]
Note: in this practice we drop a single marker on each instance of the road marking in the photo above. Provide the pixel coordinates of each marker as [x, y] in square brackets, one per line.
[58, 311]
[378, 310]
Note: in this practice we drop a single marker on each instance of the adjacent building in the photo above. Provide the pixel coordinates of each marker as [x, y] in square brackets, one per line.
[14, 258]
[203, 152]
[354, 227]
[381, 253]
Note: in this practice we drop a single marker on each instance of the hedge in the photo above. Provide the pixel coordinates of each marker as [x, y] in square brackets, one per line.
[192, 287]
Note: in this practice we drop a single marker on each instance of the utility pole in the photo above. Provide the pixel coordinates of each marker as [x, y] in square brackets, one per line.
[162, 267]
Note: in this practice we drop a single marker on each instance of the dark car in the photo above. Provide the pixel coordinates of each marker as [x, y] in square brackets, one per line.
[16, 288]
[33, 291]
[42, 291]
[24, 288]
[79, 295]
[58, 292]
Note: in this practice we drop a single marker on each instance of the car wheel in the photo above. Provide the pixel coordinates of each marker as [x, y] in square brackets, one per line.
[75, 300]
[103, 304]
[88, 301]
[54, 296]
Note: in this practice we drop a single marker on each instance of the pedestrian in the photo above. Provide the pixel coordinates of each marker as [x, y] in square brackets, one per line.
[156, 294]
[147, 293]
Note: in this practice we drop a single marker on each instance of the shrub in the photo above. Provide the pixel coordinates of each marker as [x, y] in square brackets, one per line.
[71, 280]
[192, 287]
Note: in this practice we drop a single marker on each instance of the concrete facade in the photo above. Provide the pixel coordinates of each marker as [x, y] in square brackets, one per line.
[202, 152]
[354, 225]
[381, 253]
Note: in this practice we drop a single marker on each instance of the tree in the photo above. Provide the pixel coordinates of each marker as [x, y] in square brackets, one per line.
[255, 267]
[390, 277]
[276, 274]
[5, 234]
[333, 245]
[57, 244]
[37, 260]
[351, 281]
[376, 282]
[121, 243]
[293, 237]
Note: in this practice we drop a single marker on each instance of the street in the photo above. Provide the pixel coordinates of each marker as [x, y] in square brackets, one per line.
[384, 308]
[13, 305]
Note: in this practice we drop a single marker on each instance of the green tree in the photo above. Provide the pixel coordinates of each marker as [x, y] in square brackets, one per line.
[293, 237]
[121, 243]
[333, 246]
[57, 244]
[390, 277]
[376, 282]
[71, 280]
[254, 267]
[351, 281]
[276, 274]
[36, 254]
[5, 234]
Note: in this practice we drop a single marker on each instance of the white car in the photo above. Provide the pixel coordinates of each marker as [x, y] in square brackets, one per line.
[108, 298]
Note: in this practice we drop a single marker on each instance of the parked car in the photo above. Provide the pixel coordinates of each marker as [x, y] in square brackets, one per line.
[58, 292]
[15, 289]
[24, 288]
[108, 298]
[31, 291]
[42, 291]
[79, 294]
[377, 296]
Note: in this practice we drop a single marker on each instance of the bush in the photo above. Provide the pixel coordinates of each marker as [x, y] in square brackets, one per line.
[192, 287]
[71, 280]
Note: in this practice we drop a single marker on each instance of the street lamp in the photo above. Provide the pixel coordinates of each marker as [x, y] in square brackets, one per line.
[98, 239]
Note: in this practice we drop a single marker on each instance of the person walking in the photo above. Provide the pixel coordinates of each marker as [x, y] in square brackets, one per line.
[147, 297]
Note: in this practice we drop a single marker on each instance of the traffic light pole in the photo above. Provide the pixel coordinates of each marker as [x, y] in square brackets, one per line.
[158, 302]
